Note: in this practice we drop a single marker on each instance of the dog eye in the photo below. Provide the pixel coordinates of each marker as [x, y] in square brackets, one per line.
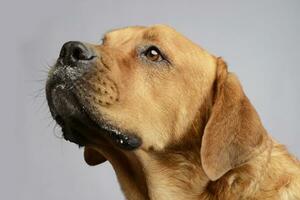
[153, 54]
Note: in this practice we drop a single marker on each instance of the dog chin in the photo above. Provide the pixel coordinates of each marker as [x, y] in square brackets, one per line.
[85, 131]
[79, 127]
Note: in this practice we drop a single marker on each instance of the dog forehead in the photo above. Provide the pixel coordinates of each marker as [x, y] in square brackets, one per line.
[138, 33]
[123, 32]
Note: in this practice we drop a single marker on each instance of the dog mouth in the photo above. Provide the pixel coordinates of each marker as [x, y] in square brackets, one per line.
[76, 123]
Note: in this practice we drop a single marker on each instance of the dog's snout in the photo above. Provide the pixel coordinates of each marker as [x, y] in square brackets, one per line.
[74, 51]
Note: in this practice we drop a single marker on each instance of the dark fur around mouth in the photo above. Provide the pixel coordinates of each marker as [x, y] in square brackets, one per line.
[76, 123]
[83, 133]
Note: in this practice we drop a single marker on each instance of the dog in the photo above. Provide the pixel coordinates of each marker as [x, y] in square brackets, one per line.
[170, 118]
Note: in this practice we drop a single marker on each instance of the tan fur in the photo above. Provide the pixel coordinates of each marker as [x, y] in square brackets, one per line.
[202, 138]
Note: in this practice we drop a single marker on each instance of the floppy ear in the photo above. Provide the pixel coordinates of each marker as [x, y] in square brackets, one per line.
[93, 157]
[234, 133]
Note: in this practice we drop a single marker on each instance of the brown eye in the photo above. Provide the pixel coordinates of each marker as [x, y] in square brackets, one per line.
[153, 54]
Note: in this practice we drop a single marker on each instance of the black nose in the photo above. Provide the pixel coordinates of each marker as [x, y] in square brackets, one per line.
[73, 52]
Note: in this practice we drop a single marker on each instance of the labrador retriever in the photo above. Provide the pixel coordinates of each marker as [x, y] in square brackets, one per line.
[169, 117]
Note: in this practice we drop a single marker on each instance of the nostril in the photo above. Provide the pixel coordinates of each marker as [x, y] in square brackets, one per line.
[79, 54]
[74, 51]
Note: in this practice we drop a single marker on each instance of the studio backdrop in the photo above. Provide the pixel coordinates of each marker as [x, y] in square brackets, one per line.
[258, 39]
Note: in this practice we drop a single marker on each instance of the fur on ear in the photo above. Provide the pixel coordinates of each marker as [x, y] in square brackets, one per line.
[93, 157]
[233, 133]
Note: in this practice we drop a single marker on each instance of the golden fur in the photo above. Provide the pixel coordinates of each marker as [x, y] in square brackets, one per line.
[202, 138]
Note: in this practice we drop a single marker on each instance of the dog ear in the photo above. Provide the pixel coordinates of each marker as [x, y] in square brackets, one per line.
[93, 157]
[233, 133]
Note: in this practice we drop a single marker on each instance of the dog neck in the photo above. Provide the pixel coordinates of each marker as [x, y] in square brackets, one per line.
[173, 174]
[174, 171]
[179, 174]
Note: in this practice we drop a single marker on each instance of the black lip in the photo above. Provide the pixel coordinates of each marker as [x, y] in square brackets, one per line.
[82, 131]
[81, 128]
[124, 140]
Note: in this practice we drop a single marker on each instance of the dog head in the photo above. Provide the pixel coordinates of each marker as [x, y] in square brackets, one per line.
[144, 89]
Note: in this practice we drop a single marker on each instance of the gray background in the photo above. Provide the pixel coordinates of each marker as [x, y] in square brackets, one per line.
[259, 39]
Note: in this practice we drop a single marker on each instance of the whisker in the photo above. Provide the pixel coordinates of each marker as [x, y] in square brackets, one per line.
[38, 94]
